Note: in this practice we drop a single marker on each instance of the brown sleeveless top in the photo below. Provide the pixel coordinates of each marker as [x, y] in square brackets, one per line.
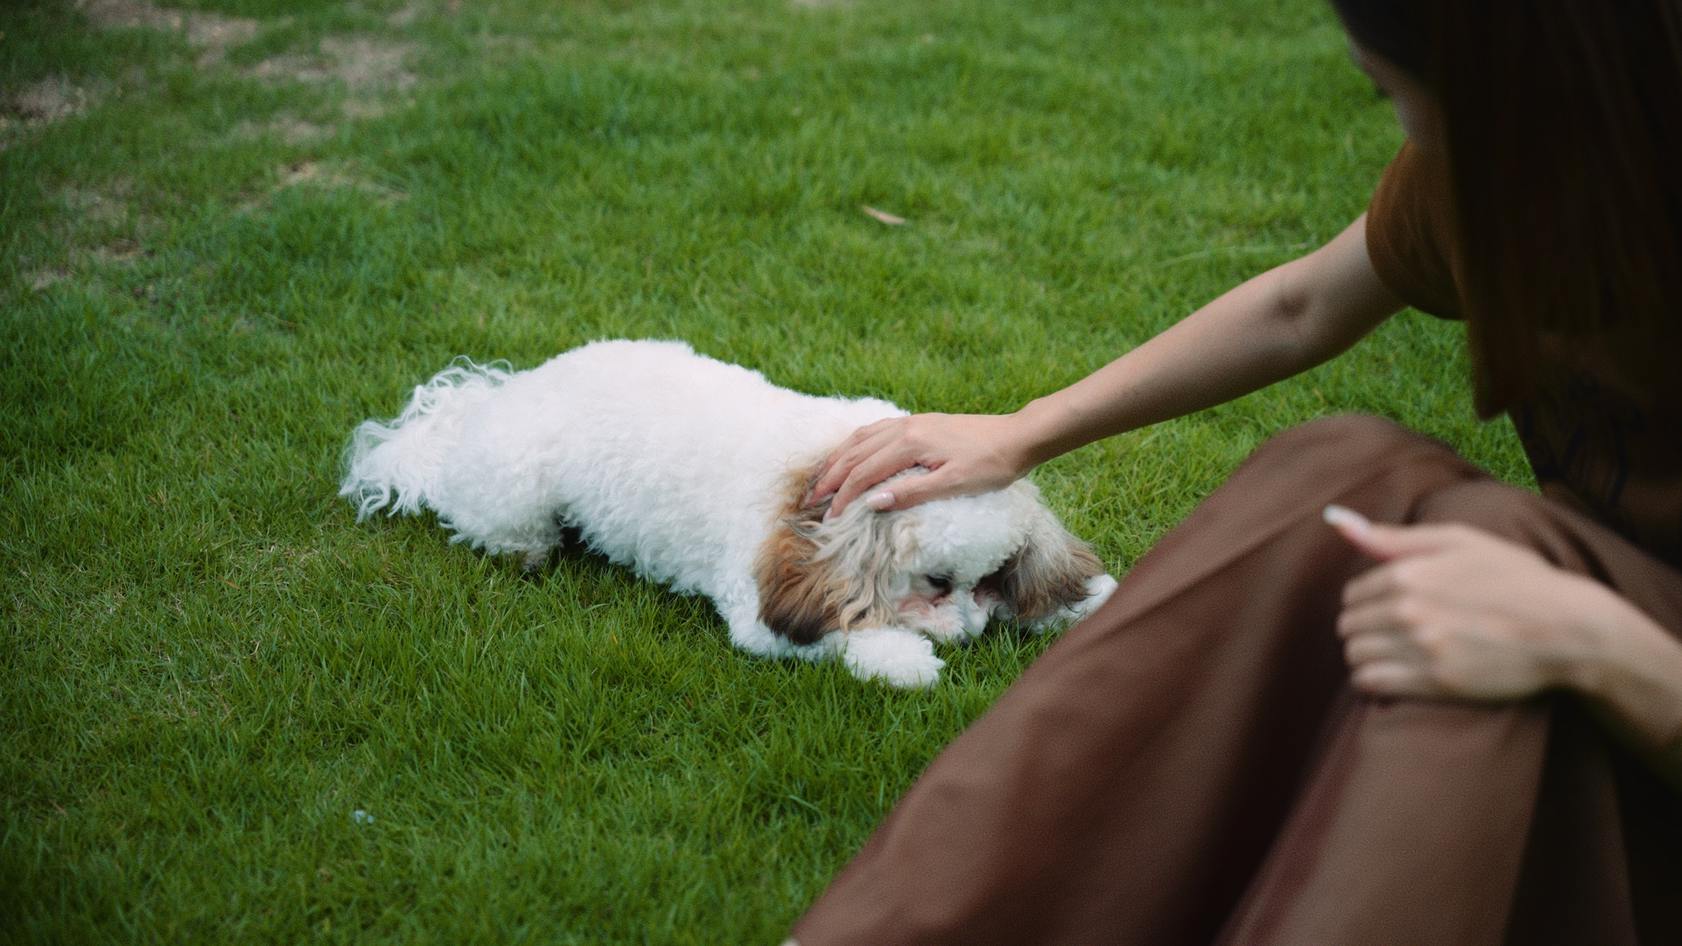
[1594, 441]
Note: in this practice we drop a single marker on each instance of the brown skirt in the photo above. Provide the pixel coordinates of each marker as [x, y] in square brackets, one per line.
[1189, 765]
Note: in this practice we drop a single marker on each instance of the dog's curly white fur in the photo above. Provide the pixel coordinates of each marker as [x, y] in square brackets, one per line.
[692, 472]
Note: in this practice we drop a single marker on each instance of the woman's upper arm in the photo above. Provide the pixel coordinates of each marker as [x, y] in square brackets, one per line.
[1335, 294]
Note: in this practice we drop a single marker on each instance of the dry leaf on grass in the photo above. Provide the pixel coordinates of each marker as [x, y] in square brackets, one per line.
[883, 216]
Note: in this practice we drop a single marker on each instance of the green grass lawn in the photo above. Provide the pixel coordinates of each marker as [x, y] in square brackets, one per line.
[231, 229]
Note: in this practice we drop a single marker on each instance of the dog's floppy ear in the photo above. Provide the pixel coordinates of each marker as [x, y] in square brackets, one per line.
[1049, 572]
[816, 577]
[797, 594]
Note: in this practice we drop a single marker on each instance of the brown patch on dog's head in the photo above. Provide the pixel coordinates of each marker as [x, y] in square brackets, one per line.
[816, 577]
[794, 597]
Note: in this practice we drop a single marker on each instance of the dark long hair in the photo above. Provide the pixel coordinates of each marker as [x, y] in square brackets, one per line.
[1563, 127]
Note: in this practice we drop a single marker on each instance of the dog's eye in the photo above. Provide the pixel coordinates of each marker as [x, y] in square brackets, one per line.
[941, 583]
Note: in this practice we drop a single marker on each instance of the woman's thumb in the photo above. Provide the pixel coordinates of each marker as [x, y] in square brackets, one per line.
[1377, 541]
[907, 491]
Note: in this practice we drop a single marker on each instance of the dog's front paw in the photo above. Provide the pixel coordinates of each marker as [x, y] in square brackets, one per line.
[1098, 590]
[897, 658]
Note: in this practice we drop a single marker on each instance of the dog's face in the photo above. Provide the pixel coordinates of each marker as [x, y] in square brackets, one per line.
[944, 568]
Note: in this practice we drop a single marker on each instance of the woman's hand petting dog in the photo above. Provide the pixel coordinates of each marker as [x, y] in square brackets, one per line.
[964, 454]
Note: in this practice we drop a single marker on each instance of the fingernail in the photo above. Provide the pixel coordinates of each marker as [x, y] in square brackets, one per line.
[879, 501]
[1345, 518]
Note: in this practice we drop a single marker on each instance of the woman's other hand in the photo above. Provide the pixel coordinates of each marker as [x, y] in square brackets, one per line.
[963, 453]
[1453, 611]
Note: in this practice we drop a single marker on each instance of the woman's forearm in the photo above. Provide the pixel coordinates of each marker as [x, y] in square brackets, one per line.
[1633, 681]
[1275, 325]
[1242, 341]
[1271, 327]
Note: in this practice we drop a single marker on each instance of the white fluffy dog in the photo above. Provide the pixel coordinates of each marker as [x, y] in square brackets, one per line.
[692, 472]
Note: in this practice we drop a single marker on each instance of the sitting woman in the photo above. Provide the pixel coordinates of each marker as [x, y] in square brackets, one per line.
[1452, 715]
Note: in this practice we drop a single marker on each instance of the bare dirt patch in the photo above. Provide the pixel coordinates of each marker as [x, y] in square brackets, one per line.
[374, 72]
[49, 100]
[366, 62]
[361, 63]
[405, 16]
[213, 34]
[118, 252]
[102, 207]
[123, 251]
[327, 176]
[43, 279]
[415, 10]
[288, 128]
[359, 109]
[52, 99]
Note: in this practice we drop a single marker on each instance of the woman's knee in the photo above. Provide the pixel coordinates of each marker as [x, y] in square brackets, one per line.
[1344, 432]
[1497, 508]
[1346, 446]
[1447, 488]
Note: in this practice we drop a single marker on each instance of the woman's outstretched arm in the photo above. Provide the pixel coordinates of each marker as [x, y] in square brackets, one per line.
[1275, 325]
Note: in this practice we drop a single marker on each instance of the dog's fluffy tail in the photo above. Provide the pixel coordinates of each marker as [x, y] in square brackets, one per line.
[394, 466]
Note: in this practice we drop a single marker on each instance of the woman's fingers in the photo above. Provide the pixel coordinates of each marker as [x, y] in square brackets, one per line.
[1374, 584]
[1453, 611]
[1381, 616]
[834, 469]
[1390, 542]
[1383, 652]
[1365, 648]
[911, 490]
[1391, 678]
[970, 453]
[868, 472]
